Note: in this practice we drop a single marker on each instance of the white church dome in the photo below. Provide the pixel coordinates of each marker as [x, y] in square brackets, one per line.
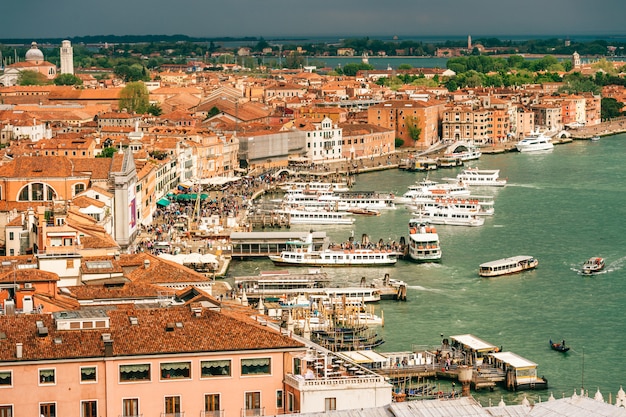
[34, 54]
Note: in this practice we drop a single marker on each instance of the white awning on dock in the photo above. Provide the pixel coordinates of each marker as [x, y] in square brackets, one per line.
[513, 360]
[473, 343]
[363, 356]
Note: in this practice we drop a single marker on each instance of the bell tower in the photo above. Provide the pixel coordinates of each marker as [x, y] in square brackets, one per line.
[67, 58]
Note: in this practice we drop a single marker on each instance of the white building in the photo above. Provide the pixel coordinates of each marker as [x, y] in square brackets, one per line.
[324, 141]
[67, 58]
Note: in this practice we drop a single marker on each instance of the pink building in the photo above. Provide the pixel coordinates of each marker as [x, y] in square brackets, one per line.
[142, 362]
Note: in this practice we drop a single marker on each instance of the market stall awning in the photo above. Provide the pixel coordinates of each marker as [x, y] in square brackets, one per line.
[191, 196]
[163, 202]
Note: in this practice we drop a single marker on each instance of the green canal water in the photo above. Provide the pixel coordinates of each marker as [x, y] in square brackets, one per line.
[561, 207]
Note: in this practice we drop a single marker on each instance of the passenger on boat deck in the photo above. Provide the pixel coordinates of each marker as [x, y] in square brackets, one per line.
[563, 343]
[309, 374]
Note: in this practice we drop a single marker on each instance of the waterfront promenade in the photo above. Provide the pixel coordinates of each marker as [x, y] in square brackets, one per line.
[233, 201]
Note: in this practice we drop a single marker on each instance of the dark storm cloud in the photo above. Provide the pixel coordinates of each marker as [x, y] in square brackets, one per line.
[67, 18]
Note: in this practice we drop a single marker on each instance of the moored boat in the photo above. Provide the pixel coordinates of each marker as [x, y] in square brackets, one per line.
[506, 266]
[480, 177]
[302, 254]
[317, 217]
[534, 142]
[593, 265]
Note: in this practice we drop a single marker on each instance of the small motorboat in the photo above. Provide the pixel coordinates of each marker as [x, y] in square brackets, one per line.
[595, 138]
[363, 211]
[559, 347]
[593, 265]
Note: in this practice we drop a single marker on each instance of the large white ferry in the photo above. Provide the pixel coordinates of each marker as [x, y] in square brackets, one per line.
[302, 253]
[427, 189]
[423, 242]
[534, 142]
[313, 186]
[448, 216]
[479, 207]
[369, 200]
[507, 266]
[480, 177]
[282, 282]
[317, 216]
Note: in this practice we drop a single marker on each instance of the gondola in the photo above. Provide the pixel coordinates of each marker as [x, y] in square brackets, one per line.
[559, 347]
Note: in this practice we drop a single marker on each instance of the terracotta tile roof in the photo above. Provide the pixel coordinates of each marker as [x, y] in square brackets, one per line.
[86, 94]
[83, 201]
[38, 167]
[99, 168]
[129, 290]
[159, 270]
[27, 275]
[212, 331]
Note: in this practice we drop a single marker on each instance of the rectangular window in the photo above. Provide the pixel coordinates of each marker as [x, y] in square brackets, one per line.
[253, 404]
[176, 370]
[212, 405]
[132, 373]
[330, 404]
[172, 406]
[210, 369]
[6, 378]
[11, 235]
[130, 407]
[48, 409]
[6, 411]
[89, 408]
[88, 374]
[279, 399]
[46, 376]
[256, 366]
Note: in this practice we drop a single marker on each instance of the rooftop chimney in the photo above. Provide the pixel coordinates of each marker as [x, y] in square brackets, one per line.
[146, 263]
[108, 344]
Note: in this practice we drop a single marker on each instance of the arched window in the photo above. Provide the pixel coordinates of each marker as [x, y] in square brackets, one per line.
[37, 192]
[79, 188]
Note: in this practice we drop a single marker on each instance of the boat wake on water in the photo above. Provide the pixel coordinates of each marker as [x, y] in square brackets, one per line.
[420, 288]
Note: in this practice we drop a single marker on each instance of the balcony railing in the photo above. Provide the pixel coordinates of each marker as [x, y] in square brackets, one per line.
[179, 414]
[253, 412]
[218, 413]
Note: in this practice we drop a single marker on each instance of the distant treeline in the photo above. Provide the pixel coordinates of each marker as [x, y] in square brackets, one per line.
[182, 43]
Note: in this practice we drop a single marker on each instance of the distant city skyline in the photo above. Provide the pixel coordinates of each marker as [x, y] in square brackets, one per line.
[283, 18]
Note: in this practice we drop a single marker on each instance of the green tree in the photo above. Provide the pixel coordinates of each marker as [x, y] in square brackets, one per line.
[134, 98]
[577, 83]
[214, 111]
[107, 153]
[131, 73]
[352, 68]
[261, 44]
[294, 60]
[412, 125]
[29, 77]
[610, 108]
[405, 67]
[67, 79]
[451, 85]
[154, 109]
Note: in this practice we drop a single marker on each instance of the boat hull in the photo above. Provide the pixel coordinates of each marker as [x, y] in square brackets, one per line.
[280, 261]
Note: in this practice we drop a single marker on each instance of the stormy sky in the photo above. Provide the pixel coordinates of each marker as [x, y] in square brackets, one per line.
[34, 19]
